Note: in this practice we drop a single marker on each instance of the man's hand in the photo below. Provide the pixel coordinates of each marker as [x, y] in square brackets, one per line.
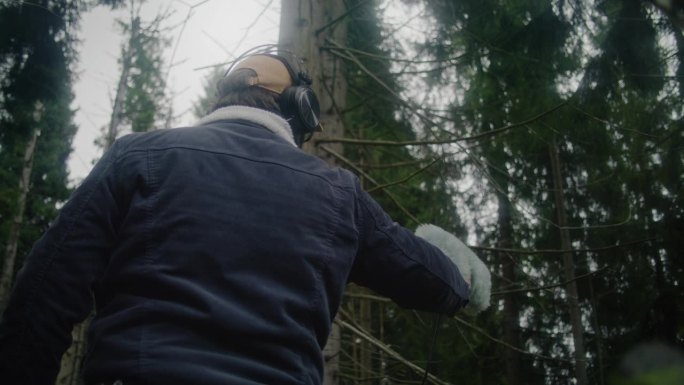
[471, 267]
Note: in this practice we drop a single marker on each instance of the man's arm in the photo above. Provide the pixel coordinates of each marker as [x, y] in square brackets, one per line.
[395, 263]
[52, 291]
[474, 271]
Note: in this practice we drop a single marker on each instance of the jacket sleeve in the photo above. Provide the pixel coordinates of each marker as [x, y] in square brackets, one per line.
[394, 262]
[52, 291]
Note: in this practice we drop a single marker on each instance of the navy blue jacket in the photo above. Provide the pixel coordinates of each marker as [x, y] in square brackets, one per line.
[215, 255]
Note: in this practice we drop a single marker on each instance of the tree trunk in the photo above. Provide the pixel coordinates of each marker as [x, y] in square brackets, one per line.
[10, 255]
[304, 27]
[599, 335]
[115, 118]
[70, 367]
[122, 87]
[511, 308]
[568, 268]
[299, 22]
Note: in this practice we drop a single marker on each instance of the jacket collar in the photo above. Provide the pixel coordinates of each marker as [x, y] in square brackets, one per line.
[273, 122]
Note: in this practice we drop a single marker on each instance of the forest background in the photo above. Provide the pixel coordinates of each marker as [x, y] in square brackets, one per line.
[547, 134]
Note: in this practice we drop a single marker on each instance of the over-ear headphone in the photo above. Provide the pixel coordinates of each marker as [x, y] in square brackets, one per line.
[298, 103]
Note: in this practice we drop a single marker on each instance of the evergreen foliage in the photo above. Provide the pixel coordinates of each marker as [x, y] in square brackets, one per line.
[36, 50]
[202, 106]
[145, 98]
[598, 82]
[614, 69]
[413, 178]
[411, 183]
[141, 102]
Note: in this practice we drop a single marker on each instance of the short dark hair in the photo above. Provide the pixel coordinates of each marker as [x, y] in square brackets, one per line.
[236, 89]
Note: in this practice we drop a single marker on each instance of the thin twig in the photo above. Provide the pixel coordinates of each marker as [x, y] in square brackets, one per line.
[371, 179]
[403, 180]
[559, 251]
[506, 344]
[379, 166]
[342, 16]
[397, 60]
[218, 43]
[486, 134]
[376, 298]
[254, 22]
[550, 286]
[180, 34]
[387, 350]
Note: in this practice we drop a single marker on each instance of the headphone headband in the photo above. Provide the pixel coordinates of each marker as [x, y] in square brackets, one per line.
[299, 76]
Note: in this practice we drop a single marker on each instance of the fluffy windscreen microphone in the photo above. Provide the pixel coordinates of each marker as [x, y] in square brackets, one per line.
[471, 267]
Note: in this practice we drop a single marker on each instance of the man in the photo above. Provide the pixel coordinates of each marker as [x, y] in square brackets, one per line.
[215, 254]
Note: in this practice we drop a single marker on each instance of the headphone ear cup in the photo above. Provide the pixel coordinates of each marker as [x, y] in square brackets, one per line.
[300, 106]
[309, 111]
[287, 103]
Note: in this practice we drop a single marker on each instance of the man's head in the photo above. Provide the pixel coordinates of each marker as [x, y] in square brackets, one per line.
[269, 81]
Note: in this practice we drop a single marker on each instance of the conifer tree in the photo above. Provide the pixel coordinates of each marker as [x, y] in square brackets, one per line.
[571, 119]
[36, 51]
[141, 101]
[140, 104]
[608, 70]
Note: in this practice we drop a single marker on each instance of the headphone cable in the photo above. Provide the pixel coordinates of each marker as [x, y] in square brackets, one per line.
[432, 347]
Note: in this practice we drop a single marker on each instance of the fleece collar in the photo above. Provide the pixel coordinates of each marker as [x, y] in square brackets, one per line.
[273, 122]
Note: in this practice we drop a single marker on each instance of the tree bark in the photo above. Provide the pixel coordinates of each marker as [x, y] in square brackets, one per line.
[10, 255]
[299, 22]
[304, 27]
[568, 268]
[599, 335]
[511, 308]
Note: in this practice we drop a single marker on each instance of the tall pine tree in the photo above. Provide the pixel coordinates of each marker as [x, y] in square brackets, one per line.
[36, 51]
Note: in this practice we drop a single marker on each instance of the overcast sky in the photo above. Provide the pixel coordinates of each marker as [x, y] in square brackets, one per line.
[215, 30]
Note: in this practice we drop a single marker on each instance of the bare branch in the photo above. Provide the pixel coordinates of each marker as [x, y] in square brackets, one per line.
[550, 286]
[254, 22]
[376, 298]
[342, 16]
[387, 350]
[371, 179]
[440, 141]
[393, 165]
[350, 56]
[178, 39]
[498, 341]
[218, 43]
[558, 251]
[405, 179]
[393, 59]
